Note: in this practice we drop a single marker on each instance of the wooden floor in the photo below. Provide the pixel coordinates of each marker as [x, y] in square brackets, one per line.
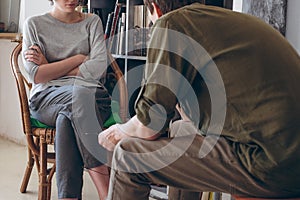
[12, 165]
[13, 160]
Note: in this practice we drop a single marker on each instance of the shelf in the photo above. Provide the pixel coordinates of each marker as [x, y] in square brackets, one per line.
[127, 31]
[10, 36]
[116, 56]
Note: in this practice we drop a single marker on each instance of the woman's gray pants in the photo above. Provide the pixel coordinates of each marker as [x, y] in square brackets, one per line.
[78, 113]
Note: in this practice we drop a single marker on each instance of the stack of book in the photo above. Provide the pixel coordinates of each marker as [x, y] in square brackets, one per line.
[115, 33]
[138, 34]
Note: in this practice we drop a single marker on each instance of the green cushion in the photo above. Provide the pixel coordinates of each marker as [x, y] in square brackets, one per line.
[115, 108]
[37, 124]
[113, 119]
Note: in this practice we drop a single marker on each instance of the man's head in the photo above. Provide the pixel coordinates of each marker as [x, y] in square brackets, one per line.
[168, 5]
[160, 7]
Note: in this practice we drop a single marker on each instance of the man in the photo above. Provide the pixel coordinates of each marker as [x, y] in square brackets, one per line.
[234, 80]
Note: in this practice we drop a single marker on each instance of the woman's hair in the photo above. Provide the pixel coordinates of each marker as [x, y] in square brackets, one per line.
[169, 5]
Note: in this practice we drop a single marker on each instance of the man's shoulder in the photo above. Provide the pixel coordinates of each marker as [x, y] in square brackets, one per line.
[179, 15]
[168, 19]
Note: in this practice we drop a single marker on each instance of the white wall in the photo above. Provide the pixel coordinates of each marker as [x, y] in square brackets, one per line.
[18, 10]
[10, 117]
[293, 23]
[4, 11]
[32, 7]
[237, 5]
[9, 14]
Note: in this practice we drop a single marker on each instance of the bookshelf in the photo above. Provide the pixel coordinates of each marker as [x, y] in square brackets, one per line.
[125, 24]
[131, 30]
[220, 3]
[127, 31]
[102, 8]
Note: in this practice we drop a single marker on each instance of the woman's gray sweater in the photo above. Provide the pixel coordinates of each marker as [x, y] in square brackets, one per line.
[58, 40]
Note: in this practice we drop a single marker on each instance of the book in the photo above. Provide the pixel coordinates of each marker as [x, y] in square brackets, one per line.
[108, 25]
[121, 34]
[114, 38]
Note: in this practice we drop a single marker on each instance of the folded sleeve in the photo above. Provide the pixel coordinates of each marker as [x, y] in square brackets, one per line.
[30, 37]
[95, 67]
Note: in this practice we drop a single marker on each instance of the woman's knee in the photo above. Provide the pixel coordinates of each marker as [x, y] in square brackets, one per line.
[83, 92]
[83, 99]
[65, 142]
[64, 129]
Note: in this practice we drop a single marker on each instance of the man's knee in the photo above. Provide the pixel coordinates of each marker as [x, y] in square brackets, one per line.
[126, 155]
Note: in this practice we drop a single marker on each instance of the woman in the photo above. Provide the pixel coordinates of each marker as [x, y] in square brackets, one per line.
[65, 57]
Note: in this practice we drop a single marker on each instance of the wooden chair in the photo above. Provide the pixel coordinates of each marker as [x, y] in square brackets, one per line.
[39, 139]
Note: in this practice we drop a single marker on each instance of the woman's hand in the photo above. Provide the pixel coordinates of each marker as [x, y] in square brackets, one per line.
[35, 55]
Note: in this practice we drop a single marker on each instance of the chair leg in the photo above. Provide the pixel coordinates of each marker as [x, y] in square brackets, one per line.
[49, 192]
[43, 184]
[28, 171]
[50, 176]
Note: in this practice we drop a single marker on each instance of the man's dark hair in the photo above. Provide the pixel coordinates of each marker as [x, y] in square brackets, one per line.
[169, 5]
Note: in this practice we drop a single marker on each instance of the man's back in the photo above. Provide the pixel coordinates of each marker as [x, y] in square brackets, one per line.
[260, 72]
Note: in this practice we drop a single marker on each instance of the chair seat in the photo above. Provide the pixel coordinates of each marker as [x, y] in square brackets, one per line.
[37, 124]
[48, 133]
